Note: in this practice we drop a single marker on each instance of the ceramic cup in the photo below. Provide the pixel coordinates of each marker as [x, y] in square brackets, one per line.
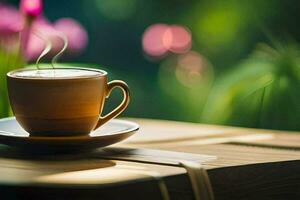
[62, 105]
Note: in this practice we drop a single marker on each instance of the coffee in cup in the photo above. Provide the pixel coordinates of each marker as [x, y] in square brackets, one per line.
[62, 101]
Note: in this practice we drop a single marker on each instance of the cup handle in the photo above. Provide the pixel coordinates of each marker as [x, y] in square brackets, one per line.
[121, 107]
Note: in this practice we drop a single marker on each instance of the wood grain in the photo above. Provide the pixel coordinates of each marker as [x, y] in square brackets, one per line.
[250, 164]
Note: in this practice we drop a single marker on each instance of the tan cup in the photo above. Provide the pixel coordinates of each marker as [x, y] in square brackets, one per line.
[62, 106]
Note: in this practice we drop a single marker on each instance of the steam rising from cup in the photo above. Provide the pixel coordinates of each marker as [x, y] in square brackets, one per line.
[48, 48]
[76, 35]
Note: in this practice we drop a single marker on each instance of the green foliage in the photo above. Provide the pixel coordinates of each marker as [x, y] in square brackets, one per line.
[263, 91]
[8, 62]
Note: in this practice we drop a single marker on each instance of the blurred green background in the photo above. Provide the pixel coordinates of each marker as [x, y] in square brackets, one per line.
[251, 75]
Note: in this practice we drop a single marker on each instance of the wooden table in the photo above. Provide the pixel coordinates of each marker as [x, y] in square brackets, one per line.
[245, 164]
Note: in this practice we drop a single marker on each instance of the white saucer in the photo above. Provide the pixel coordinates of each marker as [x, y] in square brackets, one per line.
[116, 130]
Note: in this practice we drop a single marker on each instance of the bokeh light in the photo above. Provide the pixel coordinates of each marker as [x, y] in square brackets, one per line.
[191, 69]
[185, 81]
[187, 71]
[154, 42]
[181, 39]
[159, 39]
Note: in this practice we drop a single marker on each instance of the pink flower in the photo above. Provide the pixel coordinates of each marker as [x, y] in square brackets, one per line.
[10, 21]
[10, 24]
[75, 33]
[30, 31]
[31, 8]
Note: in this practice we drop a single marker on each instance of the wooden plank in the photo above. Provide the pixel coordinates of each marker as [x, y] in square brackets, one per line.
[88, 178]
[163, 131]
[232, 145]
[250, 164]
[232, 155]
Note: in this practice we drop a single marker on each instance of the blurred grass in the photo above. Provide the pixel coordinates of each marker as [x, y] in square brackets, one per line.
[8, 61]
[263, 91]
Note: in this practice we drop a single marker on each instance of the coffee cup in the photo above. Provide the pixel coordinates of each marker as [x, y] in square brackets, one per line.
[62, 101]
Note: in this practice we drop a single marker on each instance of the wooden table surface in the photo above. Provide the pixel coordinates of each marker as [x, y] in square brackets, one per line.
[247, 164]
[232, 145]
